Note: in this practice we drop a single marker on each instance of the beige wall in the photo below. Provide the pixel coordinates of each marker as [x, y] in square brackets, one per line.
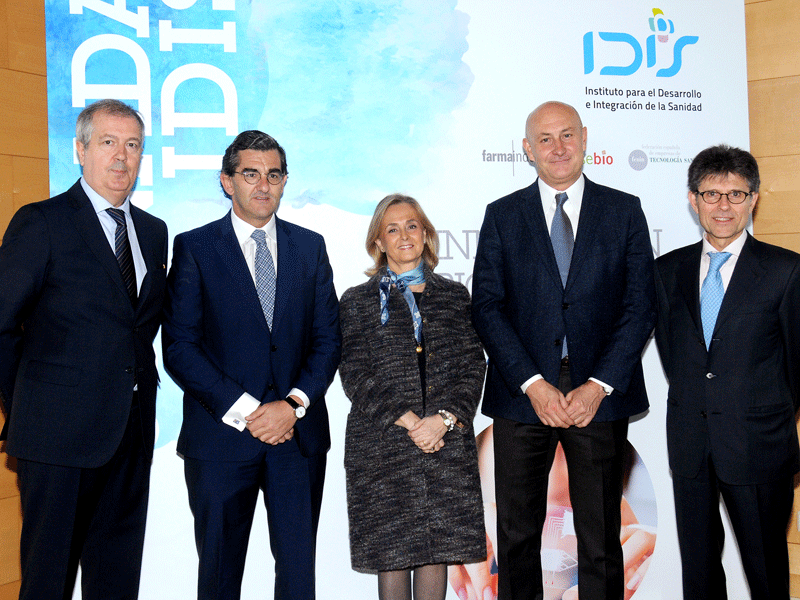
[773, 55]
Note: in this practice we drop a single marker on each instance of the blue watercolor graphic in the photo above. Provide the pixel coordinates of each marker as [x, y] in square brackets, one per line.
[355, 90]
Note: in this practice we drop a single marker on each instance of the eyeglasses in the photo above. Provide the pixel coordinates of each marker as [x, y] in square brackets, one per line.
[734, 196]
[253, 177]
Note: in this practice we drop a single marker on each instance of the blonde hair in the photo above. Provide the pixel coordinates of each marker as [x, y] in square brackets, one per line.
[430, 254]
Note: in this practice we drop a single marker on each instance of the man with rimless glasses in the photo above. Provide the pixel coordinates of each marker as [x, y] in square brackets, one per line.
[251, 334]
[729, 338]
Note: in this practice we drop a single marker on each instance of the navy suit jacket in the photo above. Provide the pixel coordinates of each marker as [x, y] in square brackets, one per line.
[738, 398]
[521, 310]
[217, 344]
[71, 342]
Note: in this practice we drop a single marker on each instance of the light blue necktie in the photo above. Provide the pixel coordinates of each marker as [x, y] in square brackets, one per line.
[265, 275]
[711, 294]
[563, 242]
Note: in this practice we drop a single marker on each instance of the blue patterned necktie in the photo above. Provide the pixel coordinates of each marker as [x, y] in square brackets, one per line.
[563, 242]
[562, 238]
[711, 294]
[122, 250]
[265, 275]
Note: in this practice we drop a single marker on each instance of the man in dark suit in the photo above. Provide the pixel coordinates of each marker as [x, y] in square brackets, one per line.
[729, 337]
[77, 366]
[251, 334]
[563, 301]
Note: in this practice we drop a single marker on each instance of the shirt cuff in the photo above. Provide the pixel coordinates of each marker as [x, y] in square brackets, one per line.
[302, 395]
[606, 388]
[533, 379]
[245, 405]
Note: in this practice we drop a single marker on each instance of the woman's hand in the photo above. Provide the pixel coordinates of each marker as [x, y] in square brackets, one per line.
[427, 433]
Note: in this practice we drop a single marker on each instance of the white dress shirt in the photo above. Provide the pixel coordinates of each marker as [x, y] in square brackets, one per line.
[246, 404]
[726, 270]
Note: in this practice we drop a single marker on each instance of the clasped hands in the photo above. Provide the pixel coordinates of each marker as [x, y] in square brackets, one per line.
[273, 422]
[554, 409]
[426, 433]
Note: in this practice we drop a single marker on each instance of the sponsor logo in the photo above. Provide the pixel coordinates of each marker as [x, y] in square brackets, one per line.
[662, 29]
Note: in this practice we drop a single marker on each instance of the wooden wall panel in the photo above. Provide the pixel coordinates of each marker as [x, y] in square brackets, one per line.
[22, 180]
[772, 41]
[775, 116]
[10, 591]
[10, 524]
[23, 114]
[25, 34]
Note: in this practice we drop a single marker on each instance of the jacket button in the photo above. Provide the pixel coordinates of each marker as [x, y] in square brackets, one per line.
[274, 348]
[129, 370]
[271, 387]
[565, 306]
[704, 414]
[556, 343]
[710, 376]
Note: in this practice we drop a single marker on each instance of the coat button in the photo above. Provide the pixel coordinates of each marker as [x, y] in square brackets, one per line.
[710, 376]
[274, 348]
[557, 343]
[129, 370]
[565, 306]
[271, 387]
[704, 414]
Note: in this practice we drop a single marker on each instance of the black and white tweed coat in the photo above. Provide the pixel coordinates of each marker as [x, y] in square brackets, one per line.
[407, 508]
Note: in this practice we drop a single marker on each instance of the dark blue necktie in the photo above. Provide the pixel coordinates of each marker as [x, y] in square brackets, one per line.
[122, 250]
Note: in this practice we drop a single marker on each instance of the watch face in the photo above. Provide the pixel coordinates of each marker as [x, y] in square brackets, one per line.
[300, 412]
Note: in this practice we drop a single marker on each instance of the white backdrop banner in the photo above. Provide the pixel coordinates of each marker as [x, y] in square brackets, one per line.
[427, 98]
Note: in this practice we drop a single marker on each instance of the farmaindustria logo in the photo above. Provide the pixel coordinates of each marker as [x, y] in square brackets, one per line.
[661, 28]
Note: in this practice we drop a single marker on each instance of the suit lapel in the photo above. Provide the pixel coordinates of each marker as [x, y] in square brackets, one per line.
[149, 246]
[533, 214]
[227, 246]
[88, 226]
[591, 205]
[286, 258]
[688, 282]
[748, 271]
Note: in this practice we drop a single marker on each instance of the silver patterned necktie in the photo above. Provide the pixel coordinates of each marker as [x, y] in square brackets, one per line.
[563, 242]
[562, 237]
[711, 294]
[122, 250]
[265, 275]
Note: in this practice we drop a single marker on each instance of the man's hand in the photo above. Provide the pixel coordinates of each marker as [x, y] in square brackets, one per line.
[583, 402]
[272, 423]
[549, 404]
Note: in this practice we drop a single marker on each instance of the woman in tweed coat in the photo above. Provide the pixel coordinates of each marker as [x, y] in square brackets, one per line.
[413, 491]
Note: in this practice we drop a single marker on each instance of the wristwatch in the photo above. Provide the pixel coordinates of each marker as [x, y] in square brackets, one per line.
[448, 419]
[299, 409]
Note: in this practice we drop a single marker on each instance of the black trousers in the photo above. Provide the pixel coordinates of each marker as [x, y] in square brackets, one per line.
[595, 460]
[759, 515]
[95, 517]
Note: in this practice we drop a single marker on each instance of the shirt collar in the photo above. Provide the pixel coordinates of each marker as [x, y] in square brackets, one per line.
[574, 193]
[244, 230]
[100, 204]
[735, 247]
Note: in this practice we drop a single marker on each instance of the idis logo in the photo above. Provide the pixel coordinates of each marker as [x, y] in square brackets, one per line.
[598, 159]
[661, 28]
